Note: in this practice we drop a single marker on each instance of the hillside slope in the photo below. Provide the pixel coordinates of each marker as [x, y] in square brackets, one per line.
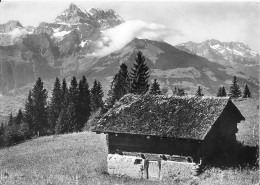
[60, 159]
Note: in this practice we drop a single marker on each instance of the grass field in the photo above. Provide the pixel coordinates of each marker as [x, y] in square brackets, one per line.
[248, 130]
[80, 158]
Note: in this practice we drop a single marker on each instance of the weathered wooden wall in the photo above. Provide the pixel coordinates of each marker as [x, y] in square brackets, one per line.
[228, 124]
[155, 145]
[222, 135]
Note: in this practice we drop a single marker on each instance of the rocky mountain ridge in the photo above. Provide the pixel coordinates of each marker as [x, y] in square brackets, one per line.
[238, 58]
[50, 49]
[61, 48]
[10, 26]
[94, 16]
[214, 50]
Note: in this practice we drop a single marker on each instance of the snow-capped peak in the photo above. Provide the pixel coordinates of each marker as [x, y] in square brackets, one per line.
[73, 7]
[235, 48]
[216, 50]
[93, 16]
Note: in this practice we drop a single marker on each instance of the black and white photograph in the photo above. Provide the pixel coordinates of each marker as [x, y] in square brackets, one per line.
[120, 92]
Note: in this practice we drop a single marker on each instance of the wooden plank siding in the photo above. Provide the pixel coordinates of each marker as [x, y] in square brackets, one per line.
[155, 145]
[222, 135]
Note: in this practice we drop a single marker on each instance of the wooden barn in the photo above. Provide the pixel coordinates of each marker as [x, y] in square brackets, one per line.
[154, 137]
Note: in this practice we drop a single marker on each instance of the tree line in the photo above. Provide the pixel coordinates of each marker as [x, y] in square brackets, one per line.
[67, 111]
[70, 106]
[234, 92]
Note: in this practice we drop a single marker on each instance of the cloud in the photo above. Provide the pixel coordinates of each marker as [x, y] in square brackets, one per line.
[17, 32]
[115, 38]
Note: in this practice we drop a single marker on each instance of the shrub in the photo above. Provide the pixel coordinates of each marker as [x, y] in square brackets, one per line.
[92, 120]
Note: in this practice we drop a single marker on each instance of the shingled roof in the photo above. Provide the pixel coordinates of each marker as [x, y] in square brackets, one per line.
[178, 117]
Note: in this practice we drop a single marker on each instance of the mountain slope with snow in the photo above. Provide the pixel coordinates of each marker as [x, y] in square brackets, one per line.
[51, 49]
[237, 57]
[67, 46]
[234, 52]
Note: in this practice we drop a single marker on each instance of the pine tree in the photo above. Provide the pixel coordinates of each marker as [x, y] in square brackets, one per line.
[29, 112]
[139, 75]
[199, 92]
[39, 97]
[2, 131]
[235, 90]
[111, 99]
[64, 93]
[247, 92]
[175, 92]
[155, 88]
[11, 132]
[119, 86]
[224, 94]
[84, 103]
[219, 93]
[73, 106]
[10, 120]
[24, 131]
[180, 92]
[10, 135]
[18, 118]
[55, 104]
[18, 129]
[62, 122]
[72, 119]
[96, 96]
[123, 82]
[73, 90]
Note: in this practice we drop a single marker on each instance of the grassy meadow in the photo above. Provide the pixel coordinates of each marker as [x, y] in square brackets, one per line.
[80, 158]
[248, 130]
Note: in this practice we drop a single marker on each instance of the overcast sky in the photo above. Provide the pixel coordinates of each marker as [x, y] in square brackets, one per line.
[189, 21]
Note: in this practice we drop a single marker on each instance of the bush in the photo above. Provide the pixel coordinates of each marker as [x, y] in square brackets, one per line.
[11, 136]
[14, 134]
[94, 117]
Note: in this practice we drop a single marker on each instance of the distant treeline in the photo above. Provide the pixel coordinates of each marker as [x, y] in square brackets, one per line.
[70, 106]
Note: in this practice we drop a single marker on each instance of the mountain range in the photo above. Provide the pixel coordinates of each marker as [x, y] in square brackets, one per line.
[235, 56]
[64, 47]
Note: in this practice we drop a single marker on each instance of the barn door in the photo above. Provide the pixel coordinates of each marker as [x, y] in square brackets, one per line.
[153, 170]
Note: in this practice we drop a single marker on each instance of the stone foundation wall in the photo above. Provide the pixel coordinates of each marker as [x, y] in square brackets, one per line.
[136, 167]
[125, 165]
[177, 169]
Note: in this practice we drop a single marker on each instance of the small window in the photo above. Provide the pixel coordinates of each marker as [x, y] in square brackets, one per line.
[138, 161]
